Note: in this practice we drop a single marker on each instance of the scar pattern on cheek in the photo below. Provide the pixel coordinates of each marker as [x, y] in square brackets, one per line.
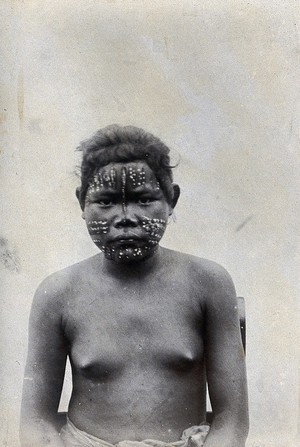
[155, 228]
[97, 226]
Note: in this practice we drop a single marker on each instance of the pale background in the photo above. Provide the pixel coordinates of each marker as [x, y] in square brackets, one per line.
[218, 81]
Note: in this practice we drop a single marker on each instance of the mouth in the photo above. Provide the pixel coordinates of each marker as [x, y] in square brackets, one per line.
[123, 241]
[123, 237]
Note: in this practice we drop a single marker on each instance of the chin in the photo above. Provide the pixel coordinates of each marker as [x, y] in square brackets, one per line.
[129, 255]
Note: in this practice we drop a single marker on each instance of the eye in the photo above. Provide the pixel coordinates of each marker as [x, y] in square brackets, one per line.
[145, 200]
[105, 203]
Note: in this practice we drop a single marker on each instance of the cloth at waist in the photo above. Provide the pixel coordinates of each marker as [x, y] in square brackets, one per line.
[191, 437]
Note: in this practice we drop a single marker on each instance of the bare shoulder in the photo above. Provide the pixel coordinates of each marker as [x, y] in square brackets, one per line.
[55, 289]
[214, 274]
[211, 276]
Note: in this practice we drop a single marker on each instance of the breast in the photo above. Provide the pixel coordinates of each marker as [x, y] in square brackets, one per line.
[180, 362]
[153, 345]
[109, 367]
[97, 366]
[101, 371]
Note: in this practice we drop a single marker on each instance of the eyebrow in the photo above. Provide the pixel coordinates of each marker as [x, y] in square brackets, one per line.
[104, 192]
[146, 188]
[142, 190]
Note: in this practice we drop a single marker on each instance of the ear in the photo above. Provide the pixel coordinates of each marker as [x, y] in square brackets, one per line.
[176, 194]
[78, 195]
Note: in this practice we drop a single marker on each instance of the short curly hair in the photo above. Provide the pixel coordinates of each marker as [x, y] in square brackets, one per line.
[116, 143]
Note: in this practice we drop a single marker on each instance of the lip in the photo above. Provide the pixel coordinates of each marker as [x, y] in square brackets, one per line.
[126, 238]
[123, 240]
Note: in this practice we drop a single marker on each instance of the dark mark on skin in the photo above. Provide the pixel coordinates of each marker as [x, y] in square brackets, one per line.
[9, 257]
[239, 227]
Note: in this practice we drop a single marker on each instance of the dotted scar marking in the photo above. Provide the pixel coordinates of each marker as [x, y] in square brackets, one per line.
[134, 176]
[97, 226]
[123, 187]
[101, 179]
[154, 227]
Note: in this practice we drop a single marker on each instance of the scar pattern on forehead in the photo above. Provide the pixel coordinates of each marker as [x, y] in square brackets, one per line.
[137, 177]
[123, 187]
[133, 176]
[106, 178]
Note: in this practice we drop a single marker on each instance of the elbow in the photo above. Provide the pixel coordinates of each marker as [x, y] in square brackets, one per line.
[234, 426]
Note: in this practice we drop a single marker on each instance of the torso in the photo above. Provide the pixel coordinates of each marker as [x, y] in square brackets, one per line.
[136, 350]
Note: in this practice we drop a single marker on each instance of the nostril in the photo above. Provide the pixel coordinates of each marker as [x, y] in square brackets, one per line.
[126, 222]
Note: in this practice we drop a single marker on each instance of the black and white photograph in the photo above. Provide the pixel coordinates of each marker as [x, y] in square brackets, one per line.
[149, 246]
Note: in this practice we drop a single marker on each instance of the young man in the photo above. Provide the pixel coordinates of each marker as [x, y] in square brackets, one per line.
[144, 327]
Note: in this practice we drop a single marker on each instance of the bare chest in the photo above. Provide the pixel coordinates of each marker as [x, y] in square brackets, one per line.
[123, 331]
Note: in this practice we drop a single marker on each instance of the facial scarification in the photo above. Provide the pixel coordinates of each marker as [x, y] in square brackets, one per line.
[103, 179]
[123, 188]
[155, 228]
[127, 181]
[137, 177]
[133, 176]
[98, 226]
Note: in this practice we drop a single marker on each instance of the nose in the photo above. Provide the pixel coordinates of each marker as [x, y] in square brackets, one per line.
[128, 221]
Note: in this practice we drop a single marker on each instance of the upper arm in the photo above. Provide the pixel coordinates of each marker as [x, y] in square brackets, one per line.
[224, 353]
[47, 352]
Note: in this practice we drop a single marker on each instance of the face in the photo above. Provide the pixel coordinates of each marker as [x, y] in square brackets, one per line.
[126, 211]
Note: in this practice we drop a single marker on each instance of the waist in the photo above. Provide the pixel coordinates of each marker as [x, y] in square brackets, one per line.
[143, 406]
[113, 416]
[72, 435]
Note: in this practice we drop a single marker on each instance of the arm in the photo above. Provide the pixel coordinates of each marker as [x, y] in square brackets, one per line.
[225, 364]
[44, 372]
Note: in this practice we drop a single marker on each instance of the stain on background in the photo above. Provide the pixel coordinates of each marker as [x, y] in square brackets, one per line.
[9, 258]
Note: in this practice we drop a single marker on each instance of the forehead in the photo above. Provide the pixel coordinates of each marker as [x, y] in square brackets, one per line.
[123, 176]
[137, 167]
[119, 175]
